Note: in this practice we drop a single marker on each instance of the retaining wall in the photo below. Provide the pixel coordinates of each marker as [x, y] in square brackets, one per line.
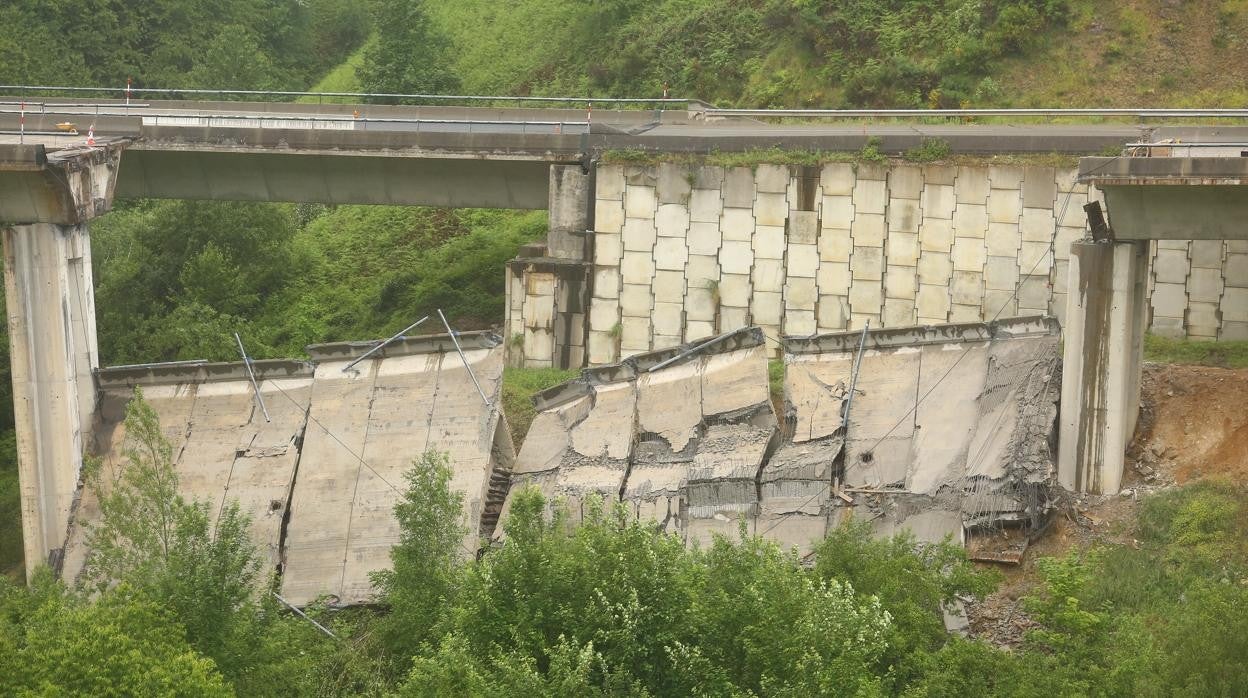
[685, 252]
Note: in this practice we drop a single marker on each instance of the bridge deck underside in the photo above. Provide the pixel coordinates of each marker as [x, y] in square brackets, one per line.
[362, 178]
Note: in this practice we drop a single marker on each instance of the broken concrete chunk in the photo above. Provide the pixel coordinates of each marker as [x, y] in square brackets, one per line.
[960, 416]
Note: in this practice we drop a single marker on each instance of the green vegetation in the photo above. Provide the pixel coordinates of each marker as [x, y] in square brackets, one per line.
[1185, 351]
[931, 150]
[608, 606]
[238, 44]
[519, 387]
[172, 600]
[344, 78]
[775, 378]
[755, 53]
[288, 276]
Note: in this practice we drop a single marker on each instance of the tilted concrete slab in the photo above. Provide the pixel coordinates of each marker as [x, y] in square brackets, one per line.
[366, 428]
[321, 479]
[681, 443]
[223, 449]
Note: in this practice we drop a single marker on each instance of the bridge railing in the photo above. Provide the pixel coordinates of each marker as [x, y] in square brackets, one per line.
[191, 94]
[184, 118]
[1136, 113]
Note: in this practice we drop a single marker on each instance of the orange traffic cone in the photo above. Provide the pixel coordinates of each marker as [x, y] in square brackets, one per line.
[91, 135]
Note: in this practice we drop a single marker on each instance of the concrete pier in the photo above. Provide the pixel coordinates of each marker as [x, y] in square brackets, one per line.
[1103, 352]
[50, 298]
[548, 285]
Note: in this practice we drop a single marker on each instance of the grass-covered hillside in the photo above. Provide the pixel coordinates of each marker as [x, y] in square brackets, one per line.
[902, 53]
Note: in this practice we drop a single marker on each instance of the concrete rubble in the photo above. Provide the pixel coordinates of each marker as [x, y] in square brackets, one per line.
[976, 452]
[321, 517]
[681, 443]
[687, 437]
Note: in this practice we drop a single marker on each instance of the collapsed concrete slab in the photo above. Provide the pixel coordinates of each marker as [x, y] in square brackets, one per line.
[678, 434]
[945, 420]
[321, 478]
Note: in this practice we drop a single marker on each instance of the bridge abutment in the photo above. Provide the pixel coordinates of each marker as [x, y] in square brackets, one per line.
[1106, 316]
[50, 299]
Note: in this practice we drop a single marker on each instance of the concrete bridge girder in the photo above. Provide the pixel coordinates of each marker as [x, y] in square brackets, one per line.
[334, 178]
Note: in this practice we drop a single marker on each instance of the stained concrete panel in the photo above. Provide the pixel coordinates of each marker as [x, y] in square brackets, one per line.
[321, 476]
[954, 417]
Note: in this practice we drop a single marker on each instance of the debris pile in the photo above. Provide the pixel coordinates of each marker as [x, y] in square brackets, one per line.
[949, 429]
[679, 434]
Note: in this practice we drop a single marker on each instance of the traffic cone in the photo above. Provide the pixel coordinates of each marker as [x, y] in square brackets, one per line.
[91, 135]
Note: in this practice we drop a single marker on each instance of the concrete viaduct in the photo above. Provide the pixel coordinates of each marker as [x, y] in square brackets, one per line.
[52, 185]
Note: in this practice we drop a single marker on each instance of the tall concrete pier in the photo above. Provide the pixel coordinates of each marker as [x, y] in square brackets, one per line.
[1148, 198]
[1103, 350]
[45, 205]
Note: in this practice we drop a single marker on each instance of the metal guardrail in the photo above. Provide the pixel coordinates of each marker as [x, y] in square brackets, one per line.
[154, 118]
[1185, 144]
[123, 92]
[703, 108]
[938, 113]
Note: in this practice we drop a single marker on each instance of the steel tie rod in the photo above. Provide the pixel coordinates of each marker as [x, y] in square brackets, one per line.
[377, 348]
[463, 358]
[251, 374]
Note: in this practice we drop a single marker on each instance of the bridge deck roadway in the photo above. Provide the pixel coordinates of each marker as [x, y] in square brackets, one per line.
[456, 156]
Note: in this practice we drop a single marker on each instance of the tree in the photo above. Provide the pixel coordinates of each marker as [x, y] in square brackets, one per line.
[153, 541]
[421, 584]
[409, 56]
[124, 644]
[913, 582]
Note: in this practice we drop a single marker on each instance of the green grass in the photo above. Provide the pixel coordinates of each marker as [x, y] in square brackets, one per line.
[775, 378]
[519, 386]
[340, 79]
[10, 508]
[1183, 351]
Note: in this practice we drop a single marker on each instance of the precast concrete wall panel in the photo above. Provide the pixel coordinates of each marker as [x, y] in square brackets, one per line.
[953, 418]
[681, 443]
[321, 476]
[892, 244]
[320, 511]
[223, 451]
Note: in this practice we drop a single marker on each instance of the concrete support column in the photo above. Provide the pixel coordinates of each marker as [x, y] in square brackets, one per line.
[1103, 352]
[51, 316]
[570, 212]
[550, 286]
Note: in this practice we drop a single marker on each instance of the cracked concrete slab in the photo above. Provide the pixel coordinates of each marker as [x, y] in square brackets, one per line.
[957, 417]
[680, 442]
[320, 480]
[223, 449]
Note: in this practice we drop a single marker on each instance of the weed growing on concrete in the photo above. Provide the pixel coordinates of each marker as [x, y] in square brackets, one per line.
[931, 150]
